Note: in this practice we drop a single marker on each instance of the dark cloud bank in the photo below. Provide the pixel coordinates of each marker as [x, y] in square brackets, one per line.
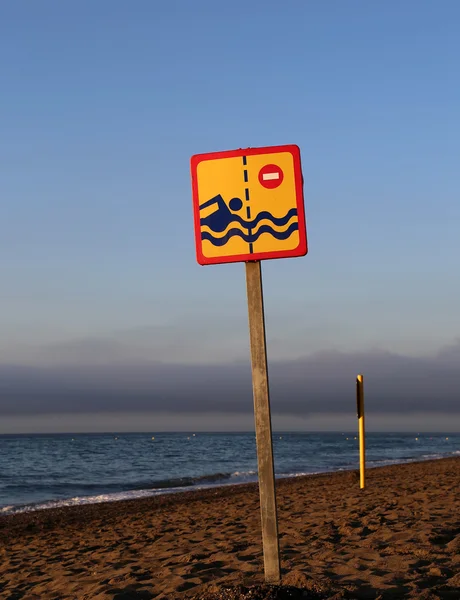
[321, 383]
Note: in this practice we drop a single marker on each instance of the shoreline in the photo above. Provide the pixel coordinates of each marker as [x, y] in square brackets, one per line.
[61, 514]
[398, 538]
[146, 494]
[58, 515]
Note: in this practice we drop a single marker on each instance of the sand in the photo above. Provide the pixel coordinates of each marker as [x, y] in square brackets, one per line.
[398, 538]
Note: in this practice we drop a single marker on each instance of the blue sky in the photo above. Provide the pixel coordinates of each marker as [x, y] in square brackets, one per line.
[103, 103]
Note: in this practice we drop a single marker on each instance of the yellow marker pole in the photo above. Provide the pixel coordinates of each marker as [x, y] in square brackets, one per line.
[263, 424]
[362, 441]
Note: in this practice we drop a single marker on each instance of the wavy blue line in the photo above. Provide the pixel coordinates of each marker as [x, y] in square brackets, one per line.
[279, 221]
[279, 235]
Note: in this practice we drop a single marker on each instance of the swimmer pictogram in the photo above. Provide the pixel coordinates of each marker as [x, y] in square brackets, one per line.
[219, 221]
[248, 205]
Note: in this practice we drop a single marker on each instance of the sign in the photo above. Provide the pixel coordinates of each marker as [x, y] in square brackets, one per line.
[248, 205]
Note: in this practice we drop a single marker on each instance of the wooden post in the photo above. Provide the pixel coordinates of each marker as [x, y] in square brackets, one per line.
[362, 440]
[263, 422]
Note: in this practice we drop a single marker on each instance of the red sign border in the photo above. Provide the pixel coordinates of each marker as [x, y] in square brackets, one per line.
[301, 249]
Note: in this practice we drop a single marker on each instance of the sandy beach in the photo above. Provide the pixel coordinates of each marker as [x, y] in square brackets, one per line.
[398, 538]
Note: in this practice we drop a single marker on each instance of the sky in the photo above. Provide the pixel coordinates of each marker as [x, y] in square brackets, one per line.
[107, 321]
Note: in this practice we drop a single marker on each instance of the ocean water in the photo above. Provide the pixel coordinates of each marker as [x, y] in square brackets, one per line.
[44, 471]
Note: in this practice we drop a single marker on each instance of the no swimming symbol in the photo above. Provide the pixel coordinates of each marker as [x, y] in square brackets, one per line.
[248, 205]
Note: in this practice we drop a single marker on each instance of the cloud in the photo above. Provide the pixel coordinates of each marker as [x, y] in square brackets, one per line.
[321, 383]
[179, 342]
[212, 338]
[195, 422]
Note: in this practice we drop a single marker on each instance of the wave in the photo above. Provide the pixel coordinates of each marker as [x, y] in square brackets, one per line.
[250, 238]
[157, 484]
[262, 222]
[278, 221]
[113, 492]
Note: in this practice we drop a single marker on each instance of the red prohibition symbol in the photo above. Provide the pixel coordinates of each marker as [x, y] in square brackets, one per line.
[271, 176]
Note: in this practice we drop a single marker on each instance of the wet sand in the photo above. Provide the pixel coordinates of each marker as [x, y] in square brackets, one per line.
[398, 538]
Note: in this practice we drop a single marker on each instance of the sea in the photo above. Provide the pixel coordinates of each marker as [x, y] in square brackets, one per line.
[38, 472]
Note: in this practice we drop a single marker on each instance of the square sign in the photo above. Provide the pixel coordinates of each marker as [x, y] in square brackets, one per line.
[248, 205]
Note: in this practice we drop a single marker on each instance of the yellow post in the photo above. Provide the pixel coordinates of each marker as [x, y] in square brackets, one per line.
[362, 441]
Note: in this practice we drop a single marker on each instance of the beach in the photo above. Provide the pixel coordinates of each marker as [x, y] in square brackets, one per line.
[398, 538]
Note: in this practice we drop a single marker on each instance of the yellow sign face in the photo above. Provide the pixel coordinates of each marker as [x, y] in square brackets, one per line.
[248, 205]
